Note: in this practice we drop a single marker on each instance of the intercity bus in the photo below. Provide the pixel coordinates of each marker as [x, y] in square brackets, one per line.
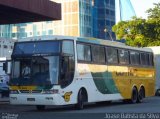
[75, 70]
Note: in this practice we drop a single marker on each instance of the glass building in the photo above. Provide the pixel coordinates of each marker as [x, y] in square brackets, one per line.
[87, 18]
[103, 18]
[123, 6]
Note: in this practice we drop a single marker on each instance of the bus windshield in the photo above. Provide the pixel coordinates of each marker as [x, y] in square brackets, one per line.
[35, 63]
[35, 71]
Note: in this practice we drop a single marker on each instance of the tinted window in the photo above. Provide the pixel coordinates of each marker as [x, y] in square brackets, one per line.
[112, 55]
[84, 52]
[151, 59]
[67, 64]
[134, 58]
[147, 59]
[144, 59]
[98, 53]
[123, 57]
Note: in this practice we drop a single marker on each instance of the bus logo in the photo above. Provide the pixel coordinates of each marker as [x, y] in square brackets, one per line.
[67, 96]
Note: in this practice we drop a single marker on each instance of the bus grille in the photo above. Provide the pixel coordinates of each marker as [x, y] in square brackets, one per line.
[30, 91]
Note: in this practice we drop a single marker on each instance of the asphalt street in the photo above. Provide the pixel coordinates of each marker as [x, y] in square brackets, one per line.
[150, 108]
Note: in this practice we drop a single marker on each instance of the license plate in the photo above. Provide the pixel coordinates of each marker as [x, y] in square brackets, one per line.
[30, 99]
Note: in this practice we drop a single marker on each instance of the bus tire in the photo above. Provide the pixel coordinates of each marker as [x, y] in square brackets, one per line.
[40, 107]
[82, 98]
[157, 92]
[134, 96]
[141, 95]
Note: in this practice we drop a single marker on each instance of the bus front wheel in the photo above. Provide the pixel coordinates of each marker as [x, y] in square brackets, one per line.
[82, 98]
[40, 107]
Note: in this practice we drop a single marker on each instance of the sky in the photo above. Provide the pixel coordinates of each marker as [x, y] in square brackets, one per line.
[140, 7]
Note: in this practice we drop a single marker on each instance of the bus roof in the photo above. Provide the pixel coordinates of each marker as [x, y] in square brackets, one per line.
[111, 43]
[85, 40]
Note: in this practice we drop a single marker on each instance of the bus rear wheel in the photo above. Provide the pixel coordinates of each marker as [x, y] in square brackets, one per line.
[134, 96]
[82, 98]
[157, 92]
[40, 107]
[141, 95]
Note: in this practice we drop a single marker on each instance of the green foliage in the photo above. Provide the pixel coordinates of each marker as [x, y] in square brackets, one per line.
[141, 32]
[154, 12]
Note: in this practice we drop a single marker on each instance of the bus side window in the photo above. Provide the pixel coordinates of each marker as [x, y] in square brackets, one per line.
[144, 59]
[84, 52]
[112, 55]
[151, 60]
[64, 68]
[98, 54]
[67, 64]
[123, 56]
[134, 58]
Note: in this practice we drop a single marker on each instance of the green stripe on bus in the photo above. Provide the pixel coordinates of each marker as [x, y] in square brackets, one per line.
[104, 82]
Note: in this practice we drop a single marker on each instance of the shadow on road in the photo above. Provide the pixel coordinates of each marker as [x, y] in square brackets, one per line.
[91, 106]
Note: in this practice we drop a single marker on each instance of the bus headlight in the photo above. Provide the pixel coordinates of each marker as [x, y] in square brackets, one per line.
[54, 91]
[14, 92]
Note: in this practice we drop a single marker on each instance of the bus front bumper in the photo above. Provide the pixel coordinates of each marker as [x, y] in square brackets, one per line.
[36, 99]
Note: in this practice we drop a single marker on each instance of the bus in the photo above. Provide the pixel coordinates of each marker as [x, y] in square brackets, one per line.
[66, 70]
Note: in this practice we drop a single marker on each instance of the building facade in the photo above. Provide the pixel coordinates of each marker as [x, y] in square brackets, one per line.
[86, 18]
[103, 18]
[6, 47]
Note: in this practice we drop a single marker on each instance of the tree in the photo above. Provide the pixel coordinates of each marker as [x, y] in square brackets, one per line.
[154, 12]
[141, 32]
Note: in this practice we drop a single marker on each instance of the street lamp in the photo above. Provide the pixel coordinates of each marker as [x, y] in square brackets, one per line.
[109, 32]
[106, 30]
